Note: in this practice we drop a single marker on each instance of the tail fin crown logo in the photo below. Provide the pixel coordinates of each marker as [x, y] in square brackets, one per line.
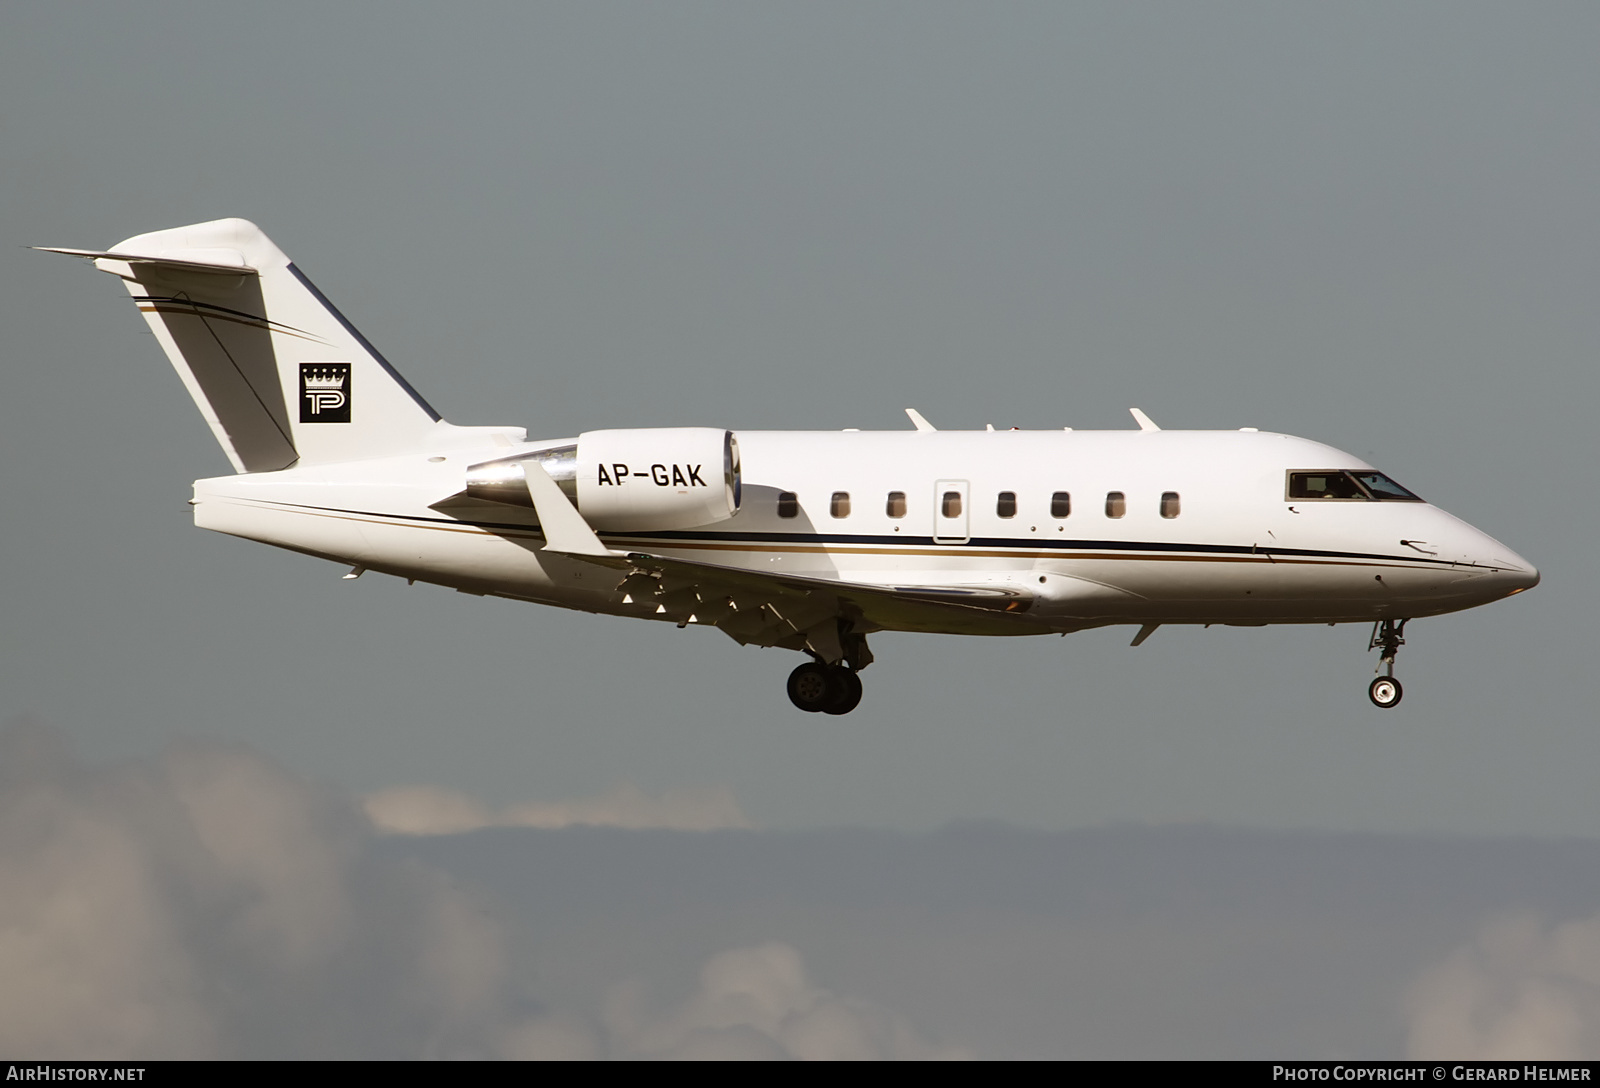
[324, 392]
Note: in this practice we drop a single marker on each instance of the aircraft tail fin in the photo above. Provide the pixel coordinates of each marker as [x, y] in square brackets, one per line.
[277, 371]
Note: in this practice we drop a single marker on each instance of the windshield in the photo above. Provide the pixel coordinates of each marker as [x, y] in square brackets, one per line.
[1382, 488]
[1354, 486]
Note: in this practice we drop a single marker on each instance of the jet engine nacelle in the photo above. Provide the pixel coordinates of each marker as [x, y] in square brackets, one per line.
[629, 481]
[657, 478]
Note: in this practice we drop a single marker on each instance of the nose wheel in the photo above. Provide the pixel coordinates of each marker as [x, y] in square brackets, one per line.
[825, 689]
[1387, 636]
[1385, 692]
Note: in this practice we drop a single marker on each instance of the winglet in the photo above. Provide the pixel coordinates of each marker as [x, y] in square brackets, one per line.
[564, 528]
[1145, 422]
[918, 422]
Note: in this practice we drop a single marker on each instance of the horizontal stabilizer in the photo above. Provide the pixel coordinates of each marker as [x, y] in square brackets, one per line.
[222, 262]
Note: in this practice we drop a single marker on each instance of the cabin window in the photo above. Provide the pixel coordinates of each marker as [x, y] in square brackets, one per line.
[950, 505]
[1060, 504]
[788, 504]
[1006, 504]
[1116, 504]
[839, 506]
[896, 506]
[1169, 504]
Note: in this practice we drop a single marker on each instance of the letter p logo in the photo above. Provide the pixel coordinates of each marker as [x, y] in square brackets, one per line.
[324, 392]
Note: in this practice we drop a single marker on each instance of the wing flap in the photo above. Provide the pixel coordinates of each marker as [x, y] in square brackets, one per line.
[646, 569]
[804, 612]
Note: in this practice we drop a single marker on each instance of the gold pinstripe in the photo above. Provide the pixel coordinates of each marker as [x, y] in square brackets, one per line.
[190, 311]
[868, 550]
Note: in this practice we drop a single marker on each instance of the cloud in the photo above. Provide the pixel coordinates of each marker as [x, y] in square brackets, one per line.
[1113, 942]
[433, 810]
[206, 903]
[1519, 990]
[756, 1003]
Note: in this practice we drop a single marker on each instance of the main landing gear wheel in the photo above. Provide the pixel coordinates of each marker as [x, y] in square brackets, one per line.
[850, 695]
[827, 689]
[1385, 692]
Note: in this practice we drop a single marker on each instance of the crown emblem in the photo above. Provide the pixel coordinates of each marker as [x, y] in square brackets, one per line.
[325, 392]
[325, 379]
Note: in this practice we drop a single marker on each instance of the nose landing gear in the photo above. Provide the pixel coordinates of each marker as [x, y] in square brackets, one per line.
[1387, 636]
[827, 689]
[1385, 692]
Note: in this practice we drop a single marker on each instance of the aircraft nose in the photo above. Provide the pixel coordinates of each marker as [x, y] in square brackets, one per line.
[1506, 571]
[1521, 573]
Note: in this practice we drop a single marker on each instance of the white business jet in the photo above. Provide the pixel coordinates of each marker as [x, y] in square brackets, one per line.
[806, 540]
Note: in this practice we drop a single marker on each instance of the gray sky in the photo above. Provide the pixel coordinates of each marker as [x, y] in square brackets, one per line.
[1371, 225]
[204, 901]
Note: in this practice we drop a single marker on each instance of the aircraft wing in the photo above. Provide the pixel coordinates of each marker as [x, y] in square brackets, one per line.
[801, 612]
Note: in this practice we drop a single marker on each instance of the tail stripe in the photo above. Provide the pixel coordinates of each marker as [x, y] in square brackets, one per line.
[190, 308]
[355, 333]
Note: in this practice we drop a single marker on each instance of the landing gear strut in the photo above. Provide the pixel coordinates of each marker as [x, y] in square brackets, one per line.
[1387, 636]
[828, 689]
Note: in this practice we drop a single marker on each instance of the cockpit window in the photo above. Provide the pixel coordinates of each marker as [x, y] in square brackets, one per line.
[1384, 489]
[1324, 485]
[1349, 486]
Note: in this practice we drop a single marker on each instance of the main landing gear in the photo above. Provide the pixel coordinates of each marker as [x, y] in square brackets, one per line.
[1388, 636]
[829, 689]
